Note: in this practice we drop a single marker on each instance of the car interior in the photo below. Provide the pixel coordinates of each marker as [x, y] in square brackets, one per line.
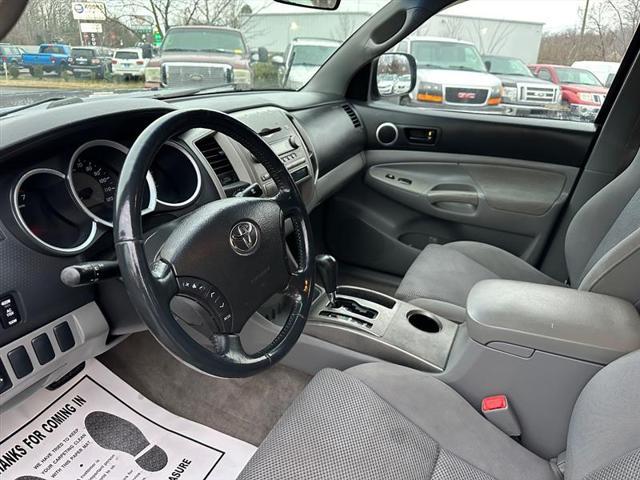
[358, 287]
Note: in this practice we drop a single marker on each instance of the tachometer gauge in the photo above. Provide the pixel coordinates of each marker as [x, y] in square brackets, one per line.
[47, 213]
[93, 176]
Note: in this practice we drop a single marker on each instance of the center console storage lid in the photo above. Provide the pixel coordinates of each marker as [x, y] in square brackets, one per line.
[573, 323]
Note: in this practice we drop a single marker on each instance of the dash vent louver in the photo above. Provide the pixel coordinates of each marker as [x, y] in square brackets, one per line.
[352, 115]
[218, 160]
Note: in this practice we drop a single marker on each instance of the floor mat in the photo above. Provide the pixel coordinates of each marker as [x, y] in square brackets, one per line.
[98, 427]
[245, 408]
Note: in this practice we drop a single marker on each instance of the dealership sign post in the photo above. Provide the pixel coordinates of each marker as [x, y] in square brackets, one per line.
[88, 12]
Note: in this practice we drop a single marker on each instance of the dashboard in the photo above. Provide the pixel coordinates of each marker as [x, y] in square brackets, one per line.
[59, 171]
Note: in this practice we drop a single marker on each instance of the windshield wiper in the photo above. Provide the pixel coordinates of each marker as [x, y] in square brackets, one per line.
[187, 92]
[462, 67]
[34, 104]
[430, 65]
[215, 50]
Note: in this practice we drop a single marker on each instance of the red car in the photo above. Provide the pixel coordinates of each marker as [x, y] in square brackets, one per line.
[582, 92]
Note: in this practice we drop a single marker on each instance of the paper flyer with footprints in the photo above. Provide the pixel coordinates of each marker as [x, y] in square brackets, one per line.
[96, 427]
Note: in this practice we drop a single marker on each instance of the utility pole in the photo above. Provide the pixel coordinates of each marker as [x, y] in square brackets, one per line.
[585, 16]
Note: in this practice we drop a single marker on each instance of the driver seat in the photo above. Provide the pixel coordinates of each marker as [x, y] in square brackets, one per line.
[384, 421]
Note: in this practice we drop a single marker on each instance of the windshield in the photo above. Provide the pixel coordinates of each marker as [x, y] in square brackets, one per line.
[82, 52]
[166, 48]
[447, 55]
[127, 55]
[508, 66]
[577, 76]
[311, 55]
[204, 40]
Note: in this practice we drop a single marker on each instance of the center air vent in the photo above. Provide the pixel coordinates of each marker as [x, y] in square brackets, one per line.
[352, 115]
[217, 159]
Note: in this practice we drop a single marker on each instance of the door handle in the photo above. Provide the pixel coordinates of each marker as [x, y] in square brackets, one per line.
[453, 196]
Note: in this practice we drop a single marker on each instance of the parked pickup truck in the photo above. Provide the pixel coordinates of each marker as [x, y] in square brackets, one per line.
[522, 92]
[582, 92]
[451, 75]
[52, 57]
[201, 56]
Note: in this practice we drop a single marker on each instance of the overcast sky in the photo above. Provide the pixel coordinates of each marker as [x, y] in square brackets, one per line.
[555, 14]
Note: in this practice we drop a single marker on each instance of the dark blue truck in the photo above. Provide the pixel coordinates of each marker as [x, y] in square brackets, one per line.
[52, 57]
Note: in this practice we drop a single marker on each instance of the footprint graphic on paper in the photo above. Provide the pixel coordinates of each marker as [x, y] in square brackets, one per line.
[114, 433]
[29, 477]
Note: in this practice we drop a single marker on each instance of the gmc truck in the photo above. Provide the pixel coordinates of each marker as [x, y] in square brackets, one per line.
[451, 75]
[201, 56]
[52, 57]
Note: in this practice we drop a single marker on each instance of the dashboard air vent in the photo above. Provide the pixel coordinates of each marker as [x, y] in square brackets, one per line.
[217, 159]
[352, 115]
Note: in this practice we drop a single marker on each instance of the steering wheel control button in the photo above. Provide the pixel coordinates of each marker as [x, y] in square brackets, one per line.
[43, 348]
[208, 296]
[64, 336]
[20, 362]
[194, 288]
[9, 314]
[5, 381]
[244, 238]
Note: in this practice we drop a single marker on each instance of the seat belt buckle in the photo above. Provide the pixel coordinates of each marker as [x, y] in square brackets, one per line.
[497, 410]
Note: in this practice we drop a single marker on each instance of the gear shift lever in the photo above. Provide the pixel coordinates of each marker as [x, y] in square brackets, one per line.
[327, 268]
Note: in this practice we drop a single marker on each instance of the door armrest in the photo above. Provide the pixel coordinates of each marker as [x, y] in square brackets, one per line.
[573, 323]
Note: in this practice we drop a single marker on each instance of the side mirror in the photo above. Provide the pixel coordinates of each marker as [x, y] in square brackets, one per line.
[263, 55]
[260, 55]
[396, 74]
[487, 64]
[317, 4]
[277, 59]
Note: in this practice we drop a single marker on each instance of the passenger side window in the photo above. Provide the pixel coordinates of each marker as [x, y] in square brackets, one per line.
[479, 56]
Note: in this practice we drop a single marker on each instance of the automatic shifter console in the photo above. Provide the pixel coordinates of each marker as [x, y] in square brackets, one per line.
[354, 307]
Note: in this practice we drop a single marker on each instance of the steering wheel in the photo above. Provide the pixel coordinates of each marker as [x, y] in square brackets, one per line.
[226, 258]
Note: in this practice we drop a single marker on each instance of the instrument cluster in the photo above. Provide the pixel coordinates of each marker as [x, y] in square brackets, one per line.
[63, 212]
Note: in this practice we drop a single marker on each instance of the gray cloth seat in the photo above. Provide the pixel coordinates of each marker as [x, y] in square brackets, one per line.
[384, 421]
[602, 251]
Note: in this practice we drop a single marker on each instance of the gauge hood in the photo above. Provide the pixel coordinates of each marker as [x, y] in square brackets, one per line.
[458, 78]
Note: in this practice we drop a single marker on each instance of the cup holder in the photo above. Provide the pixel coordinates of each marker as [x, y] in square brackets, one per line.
[424, 322]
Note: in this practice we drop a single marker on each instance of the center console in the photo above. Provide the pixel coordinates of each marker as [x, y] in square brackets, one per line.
[377, 325]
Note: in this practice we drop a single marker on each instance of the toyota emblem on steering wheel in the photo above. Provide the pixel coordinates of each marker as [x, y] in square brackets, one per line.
[244, 238]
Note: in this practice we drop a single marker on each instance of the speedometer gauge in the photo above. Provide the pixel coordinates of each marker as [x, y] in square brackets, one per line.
[93, 176]
[96, 185]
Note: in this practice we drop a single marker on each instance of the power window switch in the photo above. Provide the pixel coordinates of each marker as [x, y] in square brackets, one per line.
[5, 381]
[43, 348]
[20, 362]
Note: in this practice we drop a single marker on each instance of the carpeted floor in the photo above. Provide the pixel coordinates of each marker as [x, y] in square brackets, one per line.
[244, 408]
